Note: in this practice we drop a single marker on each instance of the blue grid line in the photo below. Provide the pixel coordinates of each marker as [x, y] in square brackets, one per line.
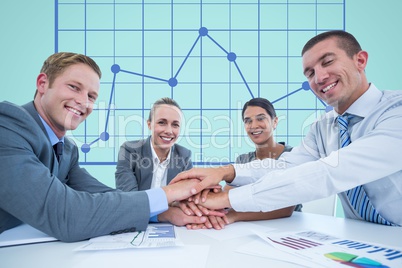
[201, 82]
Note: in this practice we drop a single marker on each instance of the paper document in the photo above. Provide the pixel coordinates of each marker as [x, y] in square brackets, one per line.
[194, 256]
[23, 234]
[231, 231]
[156, 235]
[330, 251]
[263, 249]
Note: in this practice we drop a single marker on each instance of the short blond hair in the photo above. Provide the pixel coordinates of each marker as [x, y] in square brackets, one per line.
[162, 101]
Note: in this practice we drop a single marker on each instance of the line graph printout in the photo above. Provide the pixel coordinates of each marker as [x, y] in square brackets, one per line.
[210, 56]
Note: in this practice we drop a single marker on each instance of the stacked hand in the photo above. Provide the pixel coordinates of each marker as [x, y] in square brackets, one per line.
[203, 196]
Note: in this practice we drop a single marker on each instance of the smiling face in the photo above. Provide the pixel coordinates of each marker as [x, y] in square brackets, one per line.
[259, 125]
[336, 78]
[69, 99]
[165, 128]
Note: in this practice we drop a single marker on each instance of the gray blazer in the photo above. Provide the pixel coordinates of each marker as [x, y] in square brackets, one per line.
[135, 166]
[62, 200]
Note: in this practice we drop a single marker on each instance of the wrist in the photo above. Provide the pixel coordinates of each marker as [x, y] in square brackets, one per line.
[232, 216]
[226, 200]
[228, 173]
[161, 217]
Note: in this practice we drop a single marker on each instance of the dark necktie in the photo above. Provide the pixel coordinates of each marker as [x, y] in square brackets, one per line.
[357, 196]
[58, 150]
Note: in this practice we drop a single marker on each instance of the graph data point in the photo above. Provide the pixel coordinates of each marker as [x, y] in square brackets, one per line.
[115, 68]
[231, 56]
[306, 85]
[172, 82]
[85, 148]
[104, 136]
[203, 31]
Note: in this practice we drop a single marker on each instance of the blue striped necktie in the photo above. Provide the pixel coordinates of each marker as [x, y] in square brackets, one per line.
[357, 196]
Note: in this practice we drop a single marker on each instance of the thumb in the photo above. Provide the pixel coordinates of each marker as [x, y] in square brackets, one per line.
[187, 174]
[178, 178]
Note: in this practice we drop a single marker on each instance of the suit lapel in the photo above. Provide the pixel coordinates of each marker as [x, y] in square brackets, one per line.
[174, 165]
[147, 164]
[32, 111]
[30, 108]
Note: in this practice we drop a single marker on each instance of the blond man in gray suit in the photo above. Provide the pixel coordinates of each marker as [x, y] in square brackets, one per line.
[52, 193]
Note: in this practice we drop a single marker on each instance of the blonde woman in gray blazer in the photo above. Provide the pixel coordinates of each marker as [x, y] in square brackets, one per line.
[155, 161]
[134, 171]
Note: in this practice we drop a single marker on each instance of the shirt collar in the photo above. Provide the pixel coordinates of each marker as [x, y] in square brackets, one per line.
[156, 158]
[370, 98]
[50, 133]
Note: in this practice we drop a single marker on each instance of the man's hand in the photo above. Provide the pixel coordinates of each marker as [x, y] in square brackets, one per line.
[217, 223]
[208, 177]
[176, 216]
[191, 209]
[216, 201]
[180, 190]
[202, 196]
[206, 219]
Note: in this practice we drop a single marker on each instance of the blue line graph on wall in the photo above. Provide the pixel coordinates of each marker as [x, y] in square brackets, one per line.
[210, 56]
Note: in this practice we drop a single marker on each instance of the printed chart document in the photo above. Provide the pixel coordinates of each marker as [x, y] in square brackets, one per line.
[262, 249]
[156, 235]
[23, 234]
[329, 251]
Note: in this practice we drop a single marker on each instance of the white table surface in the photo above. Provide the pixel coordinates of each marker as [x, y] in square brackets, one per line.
[206, 251]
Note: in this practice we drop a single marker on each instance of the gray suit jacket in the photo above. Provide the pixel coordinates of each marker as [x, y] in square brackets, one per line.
[135, 166]
[62, 200]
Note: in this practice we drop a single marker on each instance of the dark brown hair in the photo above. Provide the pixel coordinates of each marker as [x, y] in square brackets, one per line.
[345, 41]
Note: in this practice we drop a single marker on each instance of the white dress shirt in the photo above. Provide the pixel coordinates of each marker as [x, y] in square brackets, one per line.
[318, 168]
[159, 175]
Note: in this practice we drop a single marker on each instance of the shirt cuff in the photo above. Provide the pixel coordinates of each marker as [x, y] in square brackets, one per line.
[157, 201]
[154, 219]
[240, 172]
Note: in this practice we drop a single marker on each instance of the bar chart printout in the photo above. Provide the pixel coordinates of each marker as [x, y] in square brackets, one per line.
[156, 236]
[331, 251]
